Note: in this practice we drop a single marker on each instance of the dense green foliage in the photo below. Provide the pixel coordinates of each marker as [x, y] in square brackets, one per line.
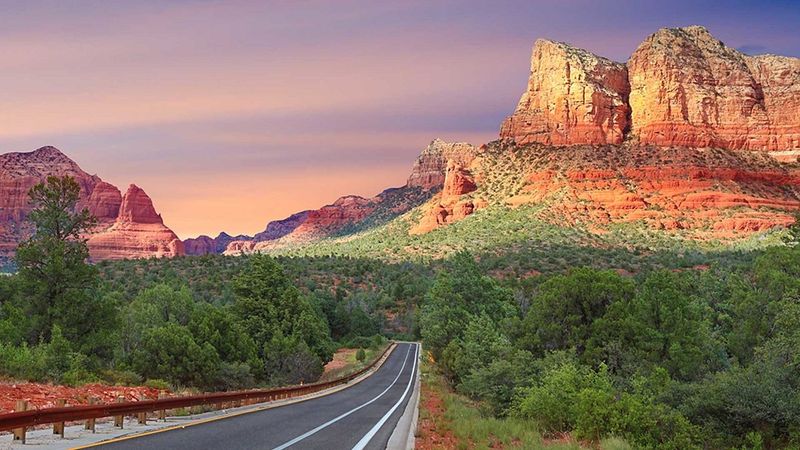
[64, 320]
[665, 359]
[663, 344]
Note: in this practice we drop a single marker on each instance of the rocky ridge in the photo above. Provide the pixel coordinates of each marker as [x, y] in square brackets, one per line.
[681, 87]
[573, 97]
[688, 135]
[128, 226]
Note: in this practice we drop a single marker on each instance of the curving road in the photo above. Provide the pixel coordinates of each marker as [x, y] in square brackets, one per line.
[362, 416]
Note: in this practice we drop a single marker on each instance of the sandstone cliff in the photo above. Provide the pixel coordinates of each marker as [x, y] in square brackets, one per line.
[19, 171]
[138, 232]
[206, 245]
[689, 89]
[429, 168]
[681, 87]
[573, 97]
[678, 138]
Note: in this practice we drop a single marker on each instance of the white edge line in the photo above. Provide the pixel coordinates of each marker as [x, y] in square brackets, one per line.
[336, 419]
[371, 433]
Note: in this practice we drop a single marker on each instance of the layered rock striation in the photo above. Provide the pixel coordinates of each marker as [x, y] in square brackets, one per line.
[20, 171]
[689, 89]
[430, 166]
[573, 97]
[137, 232]
[681, 87]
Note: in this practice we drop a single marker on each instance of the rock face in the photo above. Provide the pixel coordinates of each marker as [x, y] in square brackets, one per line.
[681, 87]
[21, 171]
[206, 245]
[138, 232]
[347, 215]
[429, 169]
[573, 97]
[689, 89]
[104, 202]
[448, 207]
[709, 192]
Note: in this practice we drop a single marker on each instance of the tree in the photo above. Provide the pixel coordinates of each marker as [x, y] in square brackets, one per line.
[53, 266]
[563, 313]
[273, 312]
[289, 360]
[170, 352]
[460, 293]
[662, 326]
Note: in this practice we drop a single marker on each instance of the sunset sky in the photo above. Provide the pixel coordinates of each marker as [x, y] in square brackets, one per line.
[233, 113]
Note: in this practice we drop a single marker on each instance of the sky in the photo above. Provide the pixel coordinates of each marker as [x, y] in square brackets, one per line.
[232, 113]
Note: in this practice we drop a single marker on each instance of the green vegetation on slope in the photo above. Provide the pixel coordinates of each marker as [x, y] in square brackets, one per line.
[60, 321]
[636, 335]
[666, 359]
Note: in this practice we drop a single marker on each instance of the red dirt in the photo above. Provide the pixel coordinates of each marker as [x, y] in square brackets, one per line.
[45, 395]
[340, 359]
[429, 434]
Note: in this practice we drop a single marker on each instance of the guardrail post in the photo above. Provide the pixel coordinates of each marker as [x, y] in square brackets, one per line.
[90, 423]
[142, 417]
[162, 413]
[58, 427]
[119, 420]
[19, 433]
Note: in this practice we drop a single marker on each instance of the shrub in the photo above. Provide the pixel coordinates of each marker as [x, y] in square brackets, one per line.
[27, 363]
[361, 355]
[120, 377]
[359, 342]
[156, 383]
[78, 374]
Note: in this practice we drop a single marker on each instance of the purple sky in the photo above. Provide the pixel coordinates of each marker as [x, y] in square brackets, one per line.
[230, 114]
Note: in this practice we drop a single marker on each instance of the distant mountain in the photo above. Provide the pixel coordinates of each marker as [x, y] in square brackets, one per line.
[128, 225]
[689, 138]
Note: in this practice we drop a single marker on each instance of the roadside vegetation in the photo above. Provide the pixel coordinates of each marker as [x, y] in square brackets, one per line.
[61, 321]
[347, 361]
[663, 360]
[631, 341]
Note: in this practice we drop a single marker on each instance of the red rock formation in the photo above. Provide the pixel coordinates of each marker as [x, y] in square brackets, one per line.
[429, 169]
[705, 191]
[206, 245]
[457, 182]
[689, 89]
[138, 232]
[104, 202]
[681, 87]
[21, 171]
[573, 97]
[448, 206]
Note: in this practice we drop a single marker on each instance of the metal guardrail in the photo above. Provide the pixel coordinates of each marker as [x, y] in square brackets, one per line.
[20, 420]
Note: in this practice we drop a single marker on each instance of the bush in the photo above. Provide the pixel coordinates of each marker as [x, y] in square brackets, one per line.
[361, 355]
[156, 383]
[570, 397]
[120, 377]
[23, 362]
[78, 374]
[360, 342]
[233, 376]
[289, 360]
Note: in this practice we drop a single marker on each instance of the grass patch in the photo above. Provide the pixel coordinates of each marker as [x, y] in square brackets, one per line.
[449, 420]
[352, 365]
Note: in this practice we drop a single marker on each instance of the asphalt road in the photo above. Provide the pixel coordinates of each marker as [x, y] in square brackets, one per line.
[360, 417]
